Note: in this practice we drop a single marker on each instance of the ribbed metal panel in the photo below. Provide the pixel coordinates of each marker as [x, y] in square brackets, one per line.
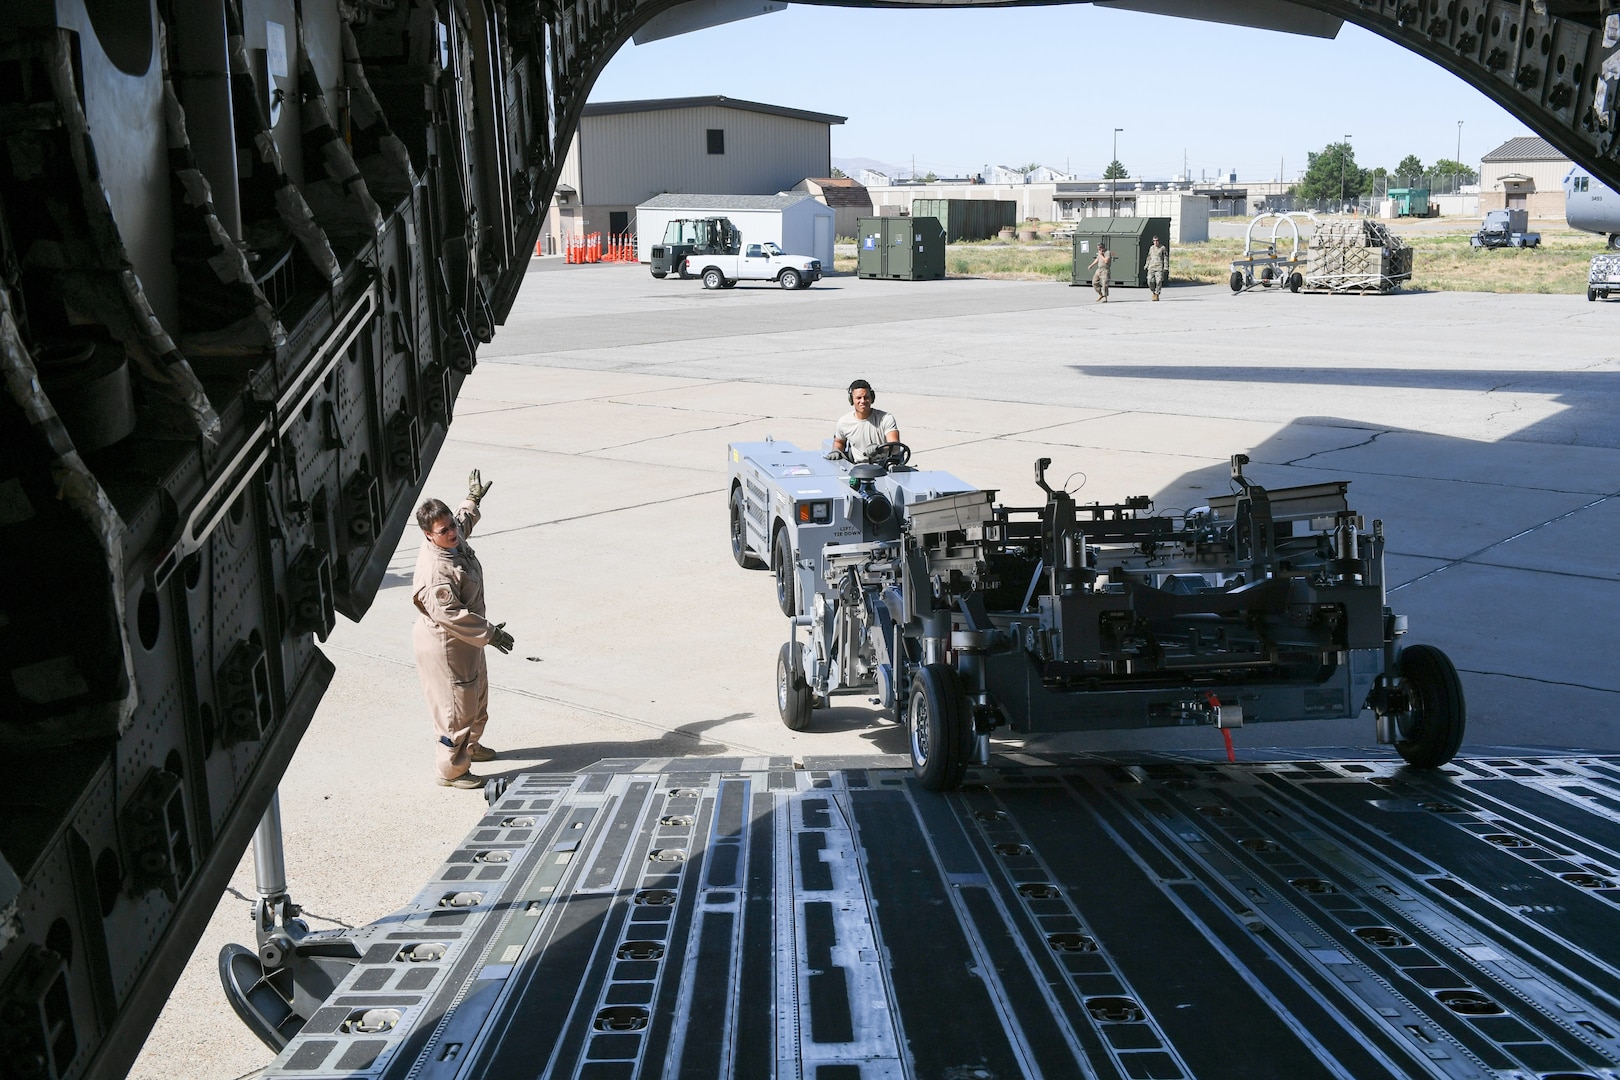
[629, 157]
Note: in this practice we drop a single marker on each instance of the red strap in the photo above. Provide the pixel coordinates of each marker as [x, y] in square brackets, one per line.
[1226, 733]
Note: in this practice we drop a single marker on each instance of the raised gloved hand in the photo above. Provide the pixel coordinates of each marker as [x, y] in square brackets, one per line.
[499, 638]
[834, 455]
[476, 488]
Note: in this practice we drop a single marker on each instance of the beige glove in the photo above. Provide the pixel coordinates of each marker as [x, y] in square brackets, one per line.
[476, 488]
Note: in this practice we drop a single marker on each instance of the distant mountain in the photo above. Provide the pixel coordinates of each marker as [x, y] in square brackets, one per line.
[853, 165]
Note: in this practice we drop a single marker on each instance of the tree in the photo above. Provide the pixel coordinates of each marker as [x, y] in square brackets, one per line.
[1028, 168]
[1331, 175]
[1115, 171]
[1409, 169]
[1447, 167]
[839, 174]
[930, 178]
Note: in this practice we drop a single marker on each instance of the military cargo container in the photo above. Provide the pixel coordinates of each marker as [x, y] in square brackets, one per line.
[968, 219]
[900, 249]
[1127, 237]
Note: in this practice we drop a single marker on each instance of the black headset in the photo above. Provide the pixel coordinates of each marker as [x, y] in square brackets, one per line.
[860, 384]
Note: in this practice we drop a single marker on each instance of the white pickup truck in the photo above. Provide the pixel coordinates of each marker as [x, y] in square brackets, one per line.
[757, 262]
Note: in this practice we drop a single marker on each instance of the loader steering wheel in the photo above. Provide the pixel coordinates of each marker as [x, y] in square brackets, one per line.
[889, 454]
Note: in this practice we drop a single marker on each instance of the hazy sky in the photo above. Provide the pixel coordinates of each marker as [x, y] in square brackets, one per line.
[961, 88]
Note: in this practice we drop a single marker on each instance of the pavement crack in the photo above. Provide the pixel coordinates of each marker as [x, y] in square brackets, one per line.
[1368, 441]
[690, 431]
[1543, 682]
[592, 710]
[303, 913]
[487, 533]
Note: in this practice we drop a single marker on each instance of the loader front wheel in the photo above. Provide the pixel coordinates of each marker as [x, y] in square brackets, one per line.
[739, 534]
[787, 584]
[792, 692]
[941, 730]
[1439, 713]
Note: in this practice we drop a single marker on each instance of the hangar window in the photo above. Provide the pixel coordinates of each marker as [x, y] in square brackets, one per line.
[717, 140]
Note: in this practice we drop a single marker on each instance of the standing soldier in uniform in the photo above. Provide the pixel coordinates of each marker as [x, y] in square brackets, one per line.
[1158, 266]
[450, 635]
[1099, 280]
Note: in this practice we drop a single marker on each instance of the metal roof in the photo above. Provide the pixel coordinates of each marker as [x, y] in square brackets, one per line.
[726, 202]
[610, 108]
[1526, 148]
[841, 191]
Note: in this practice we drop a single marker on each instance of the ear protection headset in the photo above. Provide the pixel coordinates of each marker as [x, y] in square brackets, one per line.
[861, 384]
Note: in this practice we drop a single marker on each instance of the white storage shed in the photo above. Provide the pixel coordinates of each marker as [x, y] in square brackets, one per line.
[799, 223]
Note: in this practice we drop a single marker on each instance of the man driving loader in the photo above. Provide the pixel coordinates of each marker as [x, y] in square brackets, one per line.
[863, 429]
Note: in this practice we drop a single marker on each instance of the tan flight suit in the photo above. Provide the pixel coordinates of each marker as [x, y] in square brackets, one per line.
[1099, 280]
[1158, 268]
[449, 640]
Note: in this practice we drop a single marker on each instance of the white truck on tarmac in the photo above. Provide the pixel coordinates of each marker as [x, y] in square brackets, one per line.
[756, 262]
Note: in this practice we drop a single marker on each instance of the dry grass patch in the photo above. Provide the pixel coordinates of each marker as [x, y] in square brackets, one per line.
[1441, 262]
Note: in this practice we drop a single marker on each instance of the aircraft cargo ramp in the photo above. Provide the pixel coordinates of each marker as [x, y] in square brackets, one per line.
[1165, 915]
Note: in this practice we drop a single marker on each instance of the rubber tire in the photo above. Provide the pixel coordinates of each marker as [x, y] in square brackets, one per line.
[1442, 714]
[1296, 281]
[713, 279]
[789, 279]
[792, 692]
[660, 273]
[1237, 281]
[729, 284]
[787, 585]
[682, 274]
[1591, 293]
[1614, 241]
[739, 534]
[940, 728]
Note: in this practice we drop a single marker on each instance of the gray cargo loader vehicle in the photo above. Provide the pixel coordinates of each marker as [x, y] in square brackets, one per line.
[964, 616]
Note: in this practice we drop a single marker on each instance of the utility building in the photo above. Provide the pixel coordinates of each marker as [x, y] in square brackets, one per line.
[849, 199]
[795, 221]
[627, 152]
[1526, 173]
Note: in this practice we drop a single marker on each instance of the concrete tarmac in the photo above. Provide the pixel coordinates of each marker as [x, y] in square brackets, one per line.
[1482, 429]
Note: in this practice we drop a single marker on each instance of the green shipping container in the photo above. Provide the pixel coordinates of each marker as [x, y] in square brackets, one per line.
[968, 219]
[1410, 202]
[900, 249]
[1127, 237]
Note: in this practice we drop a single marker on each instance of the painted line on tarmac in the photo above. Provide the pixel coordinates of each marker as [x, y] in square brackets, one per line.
[1471, 556]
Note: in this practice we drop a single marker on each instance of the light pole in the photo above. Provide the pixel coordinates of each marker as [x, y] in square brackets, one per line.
[1113, 190]
[1343, 152]
[1458, 158]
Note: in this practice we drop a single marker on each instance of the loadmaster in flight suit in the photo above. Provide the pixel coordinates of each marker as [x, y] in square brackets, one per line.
[450, 635]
